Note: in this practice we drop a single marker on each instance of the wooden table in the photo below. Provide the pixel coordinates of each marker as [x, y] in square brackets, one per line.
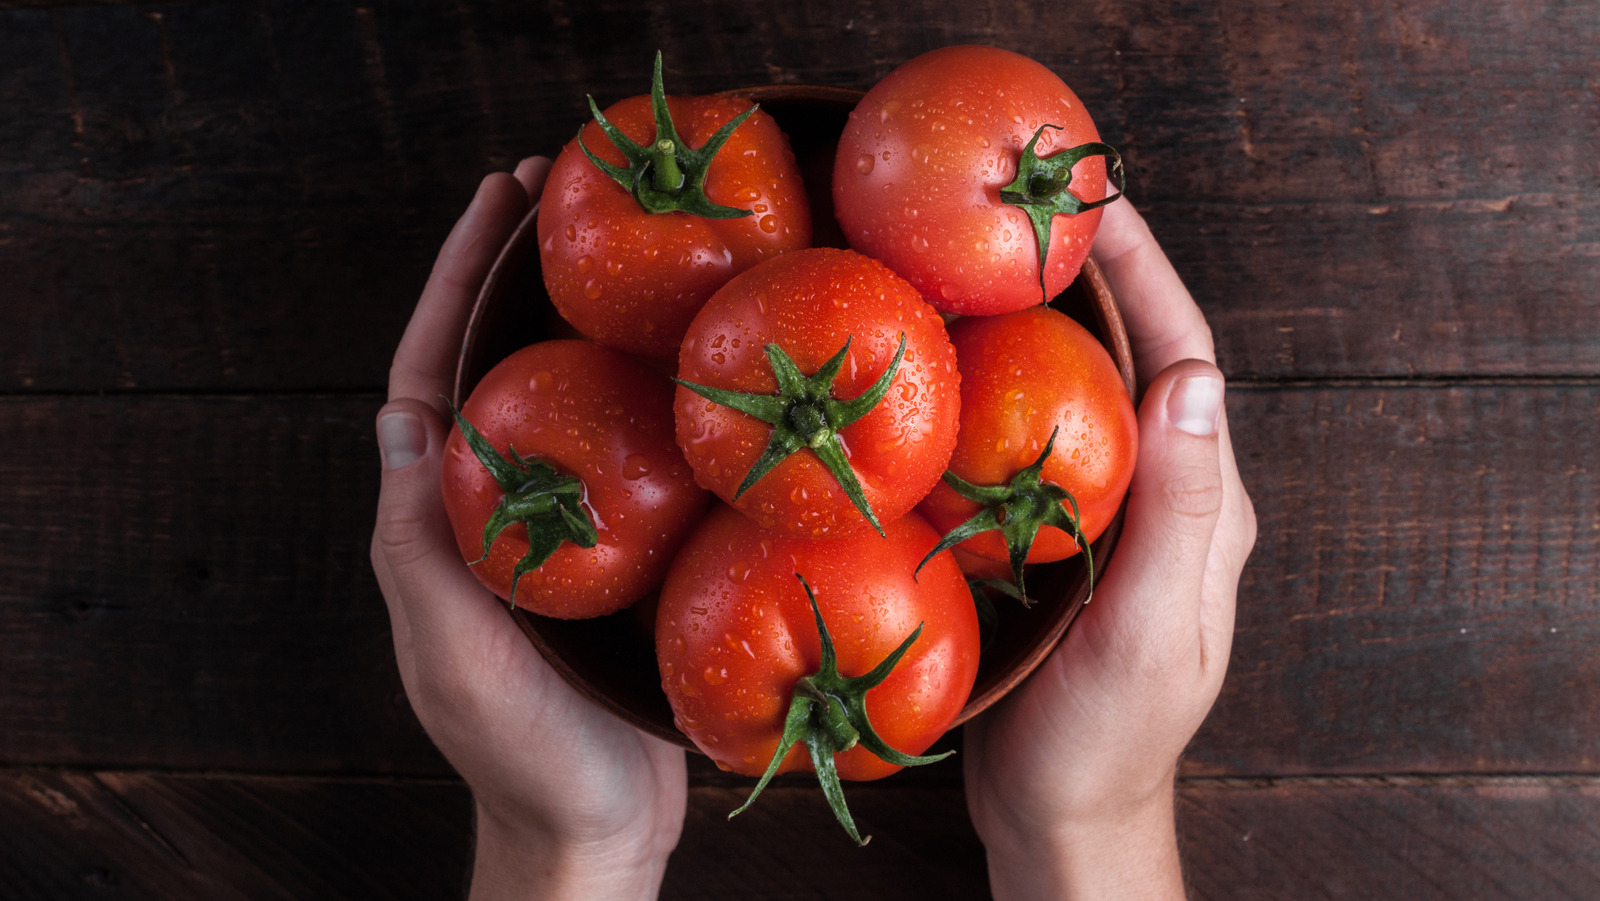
[215, 218]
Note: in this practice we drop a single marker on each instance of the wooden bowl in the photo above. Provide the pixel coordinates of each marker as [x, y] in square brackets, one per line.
[611, 660]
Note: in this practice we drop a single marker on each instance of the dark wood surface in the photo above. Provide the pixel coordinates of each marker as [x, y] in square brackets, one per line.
[214, 220]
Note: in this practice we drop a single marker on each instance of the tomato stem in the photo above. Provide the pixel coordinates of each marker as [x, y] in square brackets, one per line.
[1018, 510]
[547, 502]
[668, 176]
[828, 713]
[1042, 189]
[804, 413]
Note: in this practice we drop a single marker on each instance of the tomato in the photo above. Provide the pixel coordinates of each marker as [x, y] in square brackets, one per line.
[924, 177]
[789, 453]
[585, 433]
[1028, 376]
[736, 635]
[633, 279]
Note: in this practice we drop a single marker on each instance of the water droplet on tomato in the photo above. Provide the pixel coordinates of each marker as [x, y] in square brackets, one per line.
[864, 164]
[585, 263]
[636, 466]
[593, 289]
[715, 675]
[768, 224]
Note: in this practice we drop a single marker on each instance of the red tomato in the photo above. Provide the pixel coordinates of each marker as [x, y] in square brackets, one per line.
[1026, 375]
[809, 304]
[588, 415]
[633, 279]
[922, 163]
[735, 634]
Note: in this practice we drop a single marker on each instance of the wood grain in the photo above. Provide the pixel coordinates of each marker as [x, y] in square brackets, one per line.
[171, 837]
[188, 586]
[1381, 190]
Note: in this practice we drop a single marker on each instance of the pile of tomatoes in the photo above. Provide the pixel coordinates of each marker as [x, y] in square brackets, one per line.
[783, 445]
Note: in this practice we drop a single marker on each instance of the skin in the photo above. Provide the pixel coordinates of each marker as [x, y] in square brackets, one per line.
[1070, 780]
[570, 801]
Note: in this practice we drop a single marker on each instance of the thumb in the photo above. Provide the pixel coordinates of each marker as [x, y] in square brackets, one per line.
[1176, 493]
[414, 551]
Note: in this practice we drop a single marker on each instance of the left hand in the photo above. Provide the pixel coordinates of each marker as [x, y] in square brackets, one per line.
[571, 801]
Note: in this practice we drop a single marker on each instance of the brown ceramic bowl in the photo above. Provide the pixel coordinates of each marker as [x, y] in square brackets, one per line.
[611, 659]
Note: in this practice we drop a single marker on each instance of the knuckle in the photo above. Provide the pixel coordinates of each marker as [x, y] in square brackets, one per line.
[402, 535]
[1193, 496]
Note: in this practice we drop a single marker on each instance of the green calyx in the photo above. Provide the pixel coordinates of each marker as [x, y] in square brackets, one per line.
[804, 413]
[666, 176]
[1018, 509]
[1041, 188]
[547, 502]
[829, 714]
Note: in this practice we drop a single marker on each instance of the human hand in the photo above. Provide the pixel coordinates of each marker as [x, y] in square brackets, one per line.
[571, 802]
[1070, 779]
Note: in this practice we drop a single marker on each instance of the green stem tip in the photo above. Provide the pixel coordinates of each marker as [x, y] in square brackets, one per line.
[828, 713]
[804, 413]
[1041, 188]
[665, 176]
[1018, 510]
[547, 502]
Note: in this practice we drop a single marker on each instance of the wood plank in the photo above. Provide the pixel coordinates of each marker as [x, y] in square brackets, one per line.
[1397, 838]
[1424, 590]
[173, 838]
[176, 837]
[247, 196]
[187, 586]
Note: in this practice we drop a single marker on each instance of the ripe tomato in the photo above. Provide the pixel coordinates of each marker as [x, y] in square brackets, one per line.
[817, 472]
[736, 635]
[925, 169]
[586, 433]
[632, 279]
[1027, 376]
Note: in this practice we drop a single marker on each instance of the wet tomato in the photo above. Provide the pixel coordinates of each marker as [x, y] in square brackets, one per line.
[818, 393]
[961, 166]
[747, 669]
[655, 205]
[561, 478]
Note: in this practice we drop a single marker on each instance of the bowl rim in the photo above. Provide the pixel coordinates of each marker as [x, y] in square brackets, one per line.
[511, 262]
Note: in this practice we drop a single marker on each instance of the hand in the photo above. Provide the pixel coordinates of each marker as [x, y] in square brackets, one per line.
[1070, 780]
[571, 801]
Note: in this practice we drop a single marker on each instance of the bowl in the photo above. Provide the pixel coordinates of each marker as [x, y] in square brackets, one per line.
[611, 659]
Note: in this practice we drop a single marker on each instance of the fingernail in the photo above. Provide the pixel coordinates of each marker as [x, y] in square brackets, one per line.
[1194, 404]
[402, 439]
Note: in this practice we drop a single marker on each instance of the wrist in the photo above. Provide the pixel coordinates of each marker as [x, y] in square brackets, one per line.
[1124, 851]
[515, 862]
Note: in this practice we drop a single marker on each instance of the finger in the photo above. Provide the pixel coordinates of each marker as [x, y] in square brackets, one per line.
[1173, 502]
[1164, 325]
[425, 364]
[1235, 536]
[532, 172]
[430, 591]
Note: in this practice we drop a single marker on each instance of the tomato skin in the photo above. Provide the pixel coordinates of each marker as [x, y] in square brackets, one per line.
[917, 179]
[734, 632]
[633, 280]
[1067, 380]
[810, 302]
[596, 414]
